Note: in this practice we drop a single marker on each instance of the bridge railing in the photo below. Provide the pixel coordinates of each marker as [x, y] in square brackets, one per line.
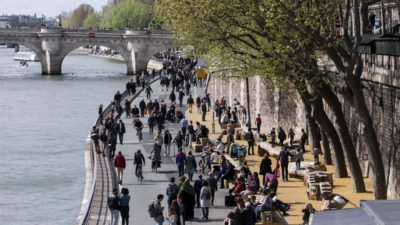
[78, 30]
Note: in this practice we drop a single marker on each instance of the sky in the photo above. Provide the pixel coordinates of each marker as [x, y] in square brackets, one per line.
[49, 8]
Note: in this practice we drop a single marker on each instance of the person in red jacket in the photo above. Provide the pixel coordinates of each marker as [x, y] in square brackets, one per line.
[120, 164]
[238, 188]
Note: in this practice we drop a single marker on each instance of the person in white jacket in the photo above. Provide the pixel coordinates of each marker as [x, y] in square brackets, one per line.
[205, 199]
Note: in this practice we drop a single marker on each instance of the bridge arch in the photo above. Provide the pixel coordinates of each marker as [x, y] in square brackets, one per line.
[123, 52]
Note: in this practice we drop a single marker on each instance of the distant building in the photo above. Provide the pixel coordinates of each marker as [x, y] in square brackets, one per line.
[4, 24]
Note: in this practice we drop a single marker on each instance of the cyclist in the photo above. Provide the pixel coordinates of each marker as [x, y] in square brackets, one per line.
[138, 125]
[138, 160]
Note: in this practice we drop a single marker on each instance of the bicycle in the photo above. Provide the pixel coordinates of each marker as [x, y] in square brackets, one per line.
[205, 162]
[139, 130]
[139, 173]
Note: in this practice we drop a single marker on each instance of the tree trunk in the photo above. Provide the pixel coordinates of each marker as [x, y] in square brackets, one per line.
[248, 102]
[364, 17]
[327, 150]
[344, 135]
[369, 137]
[312, 127]
[383, 17]
[327, 127]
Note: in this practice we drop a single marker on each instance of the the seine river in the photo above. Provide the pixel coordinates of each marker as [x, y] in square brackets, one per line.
[44, 121]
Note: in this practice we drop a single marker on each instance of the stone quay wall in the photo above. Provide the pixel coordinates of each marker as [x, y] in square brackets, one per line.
[283, 108]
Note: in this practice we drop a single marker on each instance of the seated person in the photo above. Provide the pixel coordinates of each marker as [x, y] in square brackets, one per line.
[265, 203]
[228, 174]
[220, 147]
[238, 188]
[252, 187]
[279, 205]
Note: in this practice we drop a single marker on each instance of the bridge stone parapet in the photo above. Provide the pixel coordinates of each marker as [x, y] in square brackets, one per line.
[53, 44]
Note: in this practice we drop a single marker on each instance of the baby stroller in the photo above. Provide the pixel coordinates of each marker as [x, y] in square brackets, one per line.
[179, 115]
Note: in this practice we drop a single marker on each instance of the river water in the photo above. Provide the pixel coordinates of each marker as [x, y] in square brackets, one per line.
[44, 122]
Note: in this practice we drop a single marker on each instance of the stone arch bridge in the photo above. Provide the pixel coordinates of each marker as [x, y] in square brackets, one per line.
[51, 45]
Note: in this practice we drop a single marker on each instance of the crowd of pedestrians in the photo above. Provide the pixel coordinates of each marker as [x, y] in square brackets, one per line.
[177, 78]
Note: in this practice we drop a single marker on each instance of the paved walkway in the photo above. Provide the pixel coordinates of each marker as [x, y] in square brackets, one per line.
[156, 183]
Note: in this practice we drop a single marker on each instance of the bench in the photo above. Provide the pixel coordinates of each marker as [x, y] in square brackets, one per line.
[294, 173]
[273, 152]
[272, 218]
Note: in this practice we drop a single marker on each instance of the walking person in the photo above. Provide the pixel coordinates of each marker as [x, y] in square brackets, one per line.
[212, 183]
[258, 123]
[198, 104]
[112, 145]
[198, 184]
[172, 97]
[179, 140]
[204, 111]
[96, 137]
[272, 181]
[124, 198]
[113, 205]
[250, 141]
[205, 199]
[142, 107]
[101, 113]
[172, 191]
[158, 139]
[151, 122]
[191, 132]
[291, 137]
[191, 165]
[180, 96]
[303, 140]
[316, 152]
[265, 166]
[149, 108]
[281, 136]
[174, 214]
[299, 158]
[180, 160]
[139, 161]
[104, 138]
[121, 131]
[167, 143]
[120, 164]
[190, 102]
[149, 90]
[158, 210]
[272, 135]
[284, 158]
[187, 194]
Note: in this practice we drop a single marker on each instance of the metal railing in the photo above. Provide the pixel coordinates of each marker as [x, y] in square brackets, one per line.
[85, 215]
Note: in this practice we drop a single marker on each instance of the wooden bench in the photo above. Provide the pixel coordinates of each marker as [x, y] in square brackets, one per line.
[272, 218]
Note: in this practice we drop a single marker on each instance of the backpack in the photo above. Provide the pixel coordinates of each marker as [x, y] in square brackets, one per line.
[173, 191]
[113, 202]
[152, 210]
[207, 194]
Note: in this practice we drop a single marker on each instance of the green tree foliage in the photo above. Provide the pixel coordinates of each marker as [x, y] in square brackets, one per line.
[285, 41]
[156, 24]
[93, 21]
[129, 14]
[77, 17]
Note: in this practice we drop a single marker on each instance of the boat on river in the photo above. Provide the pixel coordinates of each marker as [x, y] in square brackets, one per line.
[26, 55]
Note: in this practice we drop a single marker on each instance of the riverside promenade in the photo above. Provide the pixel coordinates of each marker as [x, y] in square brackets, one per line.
[156, 183]
[153, 183]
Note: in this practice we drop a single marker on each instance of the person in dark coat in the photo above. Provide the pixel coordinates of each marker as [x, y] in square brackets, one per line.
[181, 95]
[247, 215]
[284, 158]
[281, 136]
[250, 141]
[112, 143]
[121, 131]
[265, 166]
[198, 184]
[172, 97]
[187, 194]
[142, 107]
